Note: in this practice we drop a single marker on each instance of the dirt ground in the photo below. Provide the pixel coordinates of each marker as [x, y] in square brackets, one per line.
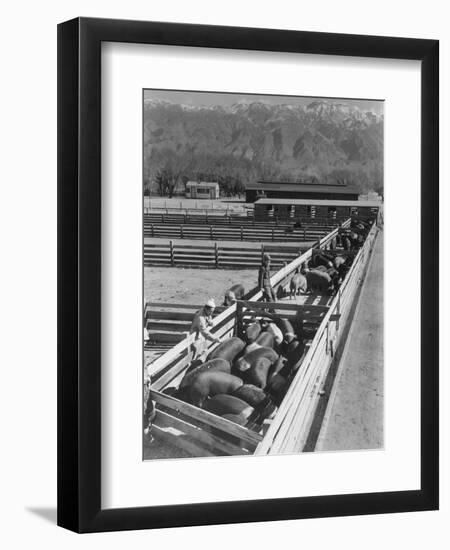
[193, 286]
[354, 417]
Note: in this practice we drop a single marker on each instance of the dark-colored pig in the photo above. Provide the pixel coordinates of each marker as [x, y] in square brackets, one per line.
[248, 360]
[213, 365]
[318, 280]
[258, 372]
[251, 394]
[209, 384]
[228, 349]
[265, 339]
[321, 259]
[252, 332]
[228, 404]
[236, 292]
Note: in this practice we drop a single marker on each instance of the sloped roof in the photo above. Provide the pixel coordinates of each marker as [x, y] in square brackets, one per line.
[317, 202]
[202, 184]
[303, 187]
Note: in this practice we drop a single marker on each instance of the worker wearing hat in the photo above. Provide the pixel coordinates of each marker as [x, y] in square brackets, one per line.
[200, 328]
[264, 279]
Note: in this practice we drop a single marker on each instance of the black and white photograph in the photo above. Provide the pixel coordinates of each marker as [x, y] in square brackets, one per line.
[263, 274]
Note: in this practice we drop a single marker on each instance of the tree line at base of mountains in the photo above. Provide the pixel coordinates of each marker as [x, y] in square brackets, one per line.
[166, 174]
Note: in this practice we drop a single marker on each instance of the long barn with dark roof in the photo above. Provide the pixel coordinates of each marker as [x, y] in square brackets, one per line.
[285, 190]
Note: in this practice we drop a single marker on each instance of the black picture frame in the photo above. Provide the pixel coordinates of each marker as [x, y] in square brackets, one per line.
[79, 274]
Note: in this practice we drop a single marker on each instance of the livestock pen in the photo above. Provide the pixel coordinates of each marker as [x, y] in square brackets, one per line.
[199, 432]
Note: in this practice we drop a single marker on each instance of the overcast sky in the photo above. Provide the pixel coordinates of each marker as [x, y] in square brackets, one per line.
[208, 99]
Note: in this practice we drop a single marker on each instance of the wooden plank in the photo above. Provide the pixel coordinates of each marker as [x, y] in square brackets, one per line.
[281, 306]
[172, 305]
[161, 324]
[170, 315]
[198, 435]
[248, 437]
[171, 337]
[166, 378]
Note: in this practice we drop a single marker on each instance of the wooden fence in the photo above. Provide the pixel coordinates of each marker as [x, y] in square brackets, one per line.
[288, 430]
[170, 254]
[232, 219]
[234, 233]
[226, 319]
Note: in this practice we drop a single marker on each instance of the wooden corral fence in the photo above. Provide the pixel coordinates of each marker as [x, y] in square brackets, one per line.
[205, 434]
[289, 430]
[196, 430]
[214, 255]
[227, 316]
[214, 218]
[249, 233]
[166, 322]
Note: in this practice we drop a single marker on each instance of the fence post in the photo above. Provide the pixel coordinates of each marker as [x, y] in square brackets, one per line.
[273, 234]
[211, 233]
[262, 251]
[181, 231]
[171, 253]
[153, 230]
[338, 308]
[238, 326]
[242, 233]
[304, 234]
[216, 254]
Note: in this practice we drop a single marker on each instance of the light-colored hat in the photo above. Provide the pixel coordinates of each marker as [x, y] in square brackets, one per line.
[211, 303]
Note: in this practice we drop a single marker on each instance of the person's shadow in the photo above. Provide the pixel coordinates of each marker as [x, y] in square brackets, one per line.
[48, 514]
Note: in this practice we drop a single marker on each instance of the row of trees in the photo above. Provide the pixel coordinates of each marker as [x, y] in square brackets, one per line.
[166, 172]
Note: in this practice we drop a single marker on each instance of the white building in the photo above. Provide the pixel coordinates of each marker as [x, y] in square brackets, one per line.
[202, 190]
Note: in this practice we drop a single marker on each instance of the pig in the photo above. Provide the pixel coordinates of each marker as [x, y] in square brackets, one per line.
[227, 349]
[213, 365]
[277, 388]
[247, 361]
[318, 280]
[276, 332]
[338, 261]
[209, 384]
[228, 404]
[298, 283]
[252, 332]
[265, 339]
[321, 259]
[276, 368]
[346, 243]
[286, 328]
[258, 372]
[236, 292]
[283, 325]
[251, 394]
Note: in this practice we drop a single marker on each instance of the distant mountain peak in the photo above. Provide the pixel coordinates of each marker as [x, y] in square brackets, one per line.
[325, 139]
